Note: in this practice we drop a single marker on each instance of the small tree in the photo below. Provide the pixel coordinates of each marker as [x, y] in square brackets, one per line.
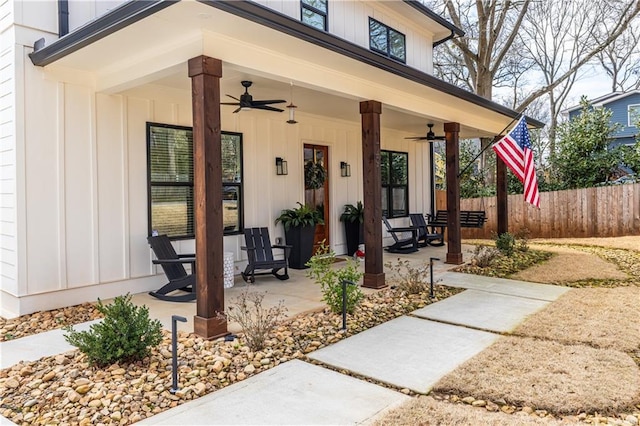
[584, 157]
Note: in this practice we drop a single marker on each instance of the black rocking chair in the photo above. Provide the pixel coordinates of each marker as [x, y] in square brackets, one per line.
[402, 245]
[426, 236]
[260, 255]
[172, 264]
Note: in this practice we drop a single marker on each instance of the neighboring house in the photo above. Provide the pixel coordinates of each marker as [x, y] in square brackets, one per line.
[625, 108]
[96, 132]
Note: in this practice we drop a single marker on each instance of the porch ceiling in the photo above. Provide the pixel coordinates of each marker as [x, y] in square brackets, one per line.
[153, 52]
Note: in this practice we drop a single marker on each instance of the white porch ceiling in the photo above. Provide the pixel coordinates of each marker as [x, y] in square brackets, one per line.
[153, 52]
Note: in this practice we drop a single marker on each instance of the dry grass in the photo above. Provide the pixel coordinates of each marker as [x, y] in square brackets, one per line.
[631, 242]
[605, 318]
[426, 411]
[548, 375]
[569, 265]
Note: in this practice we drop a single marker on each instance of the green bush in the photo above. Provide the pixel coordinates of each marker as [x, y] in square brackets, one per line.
[125, 334]
[330, 279]
[506, 243]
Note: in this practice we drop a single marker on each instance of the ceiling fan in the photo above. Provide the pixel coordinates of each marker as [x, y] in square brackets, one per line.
[430, 135]
[246, 101]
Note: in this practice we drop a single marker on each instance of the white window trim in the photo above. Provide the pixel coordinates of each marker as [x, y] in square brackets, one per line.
[629, 109]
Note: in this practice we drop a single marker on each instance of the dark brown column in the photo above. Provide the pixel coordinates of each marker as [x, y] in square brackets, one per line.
[205, 76]
[373, 264]
[454, 243]
[501, 194]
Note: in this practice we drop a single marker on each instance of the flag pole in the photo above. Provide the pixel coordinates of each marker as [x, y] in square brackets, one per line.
[485, 148]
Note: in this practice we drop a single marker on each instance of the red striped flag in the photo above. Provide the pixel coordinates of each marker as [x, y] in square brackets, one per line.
[515, 150]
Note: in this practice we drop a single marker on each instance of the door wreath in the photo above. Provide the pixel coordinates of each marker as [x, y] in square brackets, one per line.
[314, 175]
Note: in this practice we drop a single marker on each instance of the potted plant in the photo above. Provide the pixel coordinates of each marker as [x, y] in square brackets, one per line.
[353, 219]
[299, 230]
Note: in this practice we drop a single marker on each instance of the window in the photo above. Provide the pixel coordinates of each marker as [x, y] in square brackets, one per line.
[314, 13]
[170, 177]
[633, 112]
[394, 168]
[386, 40]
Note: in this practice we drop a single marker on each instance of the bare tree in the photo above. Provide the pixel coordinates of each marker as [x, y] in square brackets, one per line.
[598, 39]
[555, 36]
[621, 60]
[492, 27]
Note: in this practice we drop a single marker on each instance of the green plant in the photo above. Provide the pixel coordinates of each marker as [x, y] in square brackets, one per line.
[411, 279]
[506, 243]
[125, 334]
[331, 279]
[353, 213]
[256, 321]
[301, 216]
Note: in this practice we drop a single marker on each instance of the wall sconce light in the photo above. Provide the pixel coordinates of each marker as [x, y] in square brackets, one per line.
[345, 169]
[281, 166]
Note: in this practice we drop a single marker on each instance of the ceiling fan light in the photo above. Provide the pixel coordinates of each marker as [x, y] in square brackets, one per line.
[245, 108]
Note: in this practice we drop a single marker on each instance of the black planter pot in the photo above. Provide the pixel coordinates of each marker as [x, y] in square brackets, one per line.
[353, 231]
[301, 240]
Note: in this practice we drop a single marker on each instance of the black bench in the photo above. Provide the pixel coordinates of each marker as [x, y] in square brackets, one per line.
[468, 219]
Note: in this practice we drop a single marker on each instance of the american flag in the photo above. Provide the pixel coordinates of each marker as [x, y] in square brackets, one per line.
[515, 150]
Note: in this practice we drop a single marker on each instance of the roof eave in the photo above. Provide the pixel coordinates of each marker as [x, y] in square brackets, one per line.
[120, 17]
[455, 31]
[134, 11]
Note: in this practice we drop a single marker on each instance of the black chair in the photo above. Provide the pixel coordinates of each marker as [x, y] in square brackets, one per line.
[402, 245]
[427, 235]
[172, 265]
[260, 255]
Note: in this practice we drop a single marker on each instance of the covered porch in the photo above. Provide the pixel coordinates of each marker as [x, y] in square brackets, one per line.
[175, 62]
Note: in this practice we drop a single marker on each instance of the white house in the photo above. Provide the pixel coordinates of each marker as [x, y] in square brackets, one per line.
[84, 112]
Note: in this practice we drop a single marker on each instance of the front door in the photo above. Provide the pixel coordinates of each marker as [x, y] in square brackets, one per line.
[316, 187]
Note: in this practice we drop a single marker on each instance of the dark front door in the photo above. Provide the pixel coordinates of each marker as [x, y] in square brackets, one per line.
[316, 187]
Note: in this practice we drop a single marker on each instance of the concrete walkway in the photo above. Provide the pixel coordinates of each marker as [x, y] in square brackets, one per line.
[411, 352]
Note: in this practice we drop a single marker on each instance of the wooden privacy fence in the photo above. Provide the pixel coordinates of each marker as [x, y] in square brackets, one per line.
[608, 211]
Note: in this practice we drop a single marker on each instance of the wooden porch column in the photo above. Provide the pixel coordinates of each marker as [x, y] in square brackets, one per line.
[373, 264]
[454, 244]
[502, 205]
[205, 76]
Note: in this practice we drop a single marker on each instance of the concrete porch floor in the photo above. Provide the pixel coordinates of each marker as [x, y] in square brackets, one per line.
[299, 293]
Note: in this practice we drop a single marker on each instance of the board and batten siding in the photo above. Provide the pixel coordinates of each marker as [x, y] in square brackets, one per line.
[350, 21]
[85, 183]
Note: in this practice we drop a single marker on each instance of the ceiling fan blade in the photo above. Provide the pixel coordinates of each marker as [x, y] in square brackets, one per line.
[237, 110]
[267, 102]
[267, 108]
[417, 138]
[233, 97]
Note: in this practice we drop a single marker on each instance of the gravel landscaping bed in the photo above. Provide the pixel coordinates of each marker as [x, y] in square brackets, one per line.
[39, 322]
[64, 389]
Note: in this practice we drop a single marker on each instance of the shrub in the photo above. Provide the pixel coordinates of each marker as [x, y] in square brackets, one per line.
[483, 256]
[411, 279]
[506, 243]
[125, 334]
[256, 321]
[330, 279]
